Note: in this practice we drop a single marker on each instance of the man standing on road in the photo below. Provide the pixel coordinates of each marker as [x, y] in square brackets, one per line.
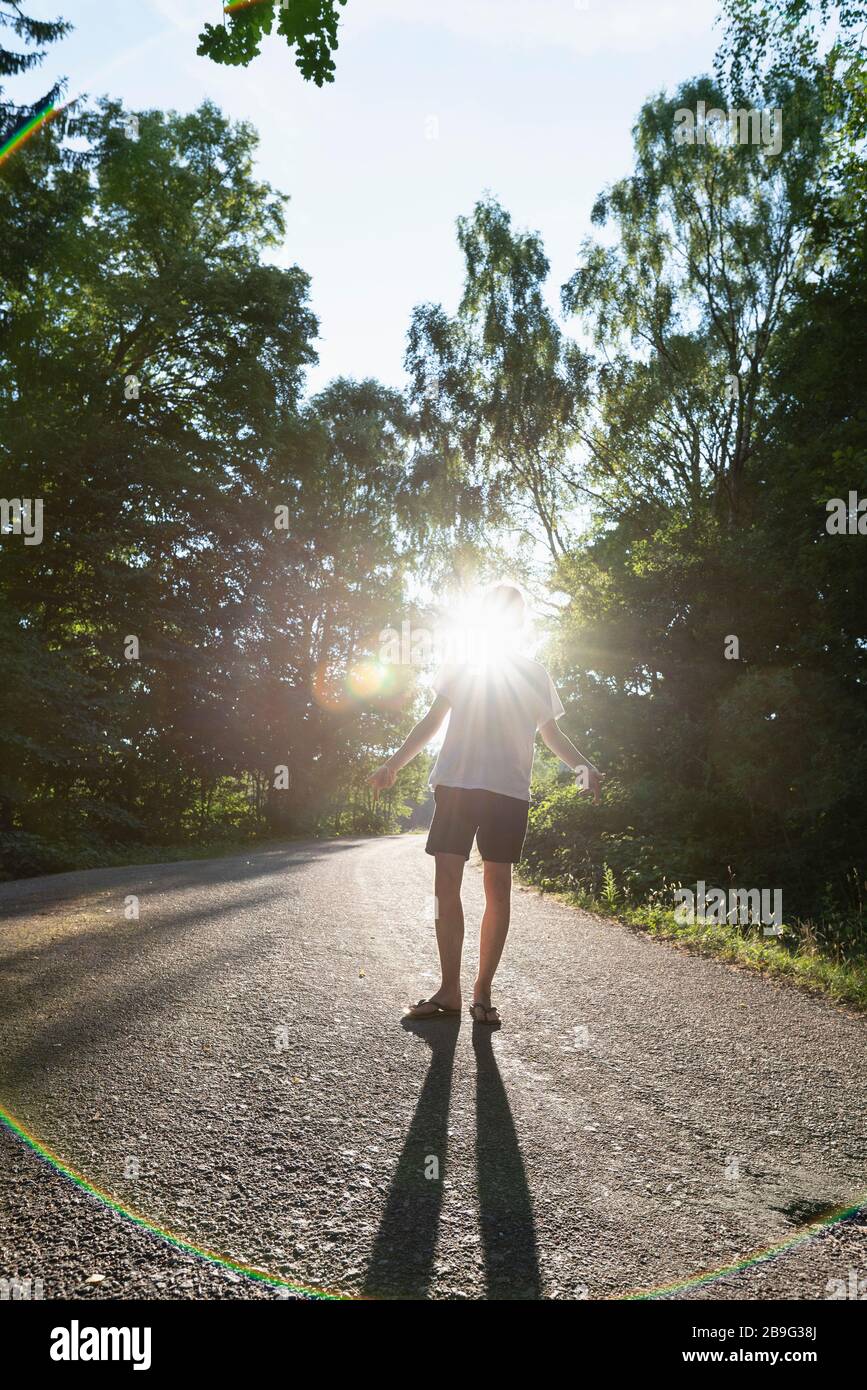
[481, 784]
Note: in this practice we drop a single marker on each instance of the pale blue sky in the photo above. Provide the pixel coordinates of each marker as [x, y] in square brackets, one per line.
[533, 100]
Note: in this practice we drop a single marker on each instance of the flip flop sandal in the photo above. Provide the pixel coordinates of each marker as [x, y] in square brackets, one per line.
[438, 1010]
[486, 1009]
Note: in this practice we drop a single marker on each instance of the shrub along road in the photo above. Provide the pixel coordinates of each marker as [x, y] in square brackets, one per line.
[232, 1065]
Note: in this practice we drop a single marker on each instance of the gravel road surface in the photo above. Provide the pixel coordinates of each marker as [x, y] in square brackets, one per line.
[233, 1066]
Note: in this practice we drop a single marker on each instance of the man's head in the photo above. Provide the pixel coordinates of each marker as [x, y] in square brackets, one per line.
[503, 605]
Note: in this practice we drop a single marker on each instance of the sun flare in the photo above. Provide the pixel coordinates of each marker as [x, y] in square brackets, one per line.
[474, 634]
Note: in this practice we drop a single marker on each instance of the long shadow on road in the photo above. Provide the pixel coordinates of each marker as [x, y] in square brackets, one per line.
[505, 1205]
[402, 1260]
[21, 897]
[401, 1264]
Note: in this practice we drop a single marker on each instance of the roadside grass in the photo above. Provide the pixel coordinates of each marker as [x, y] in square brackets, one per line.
[795, 956]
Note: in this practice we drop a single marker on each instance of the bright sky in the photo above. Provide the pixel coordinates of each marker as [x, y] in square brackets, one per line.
[434, 103]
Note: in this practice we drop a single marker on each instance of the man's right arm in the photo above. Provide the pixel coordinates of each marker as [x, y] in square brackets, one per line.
[414, 742]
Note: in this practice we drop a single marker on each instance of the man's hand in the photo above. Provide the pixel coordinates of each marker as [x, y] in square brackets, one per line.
[589, 779]
[383, 778]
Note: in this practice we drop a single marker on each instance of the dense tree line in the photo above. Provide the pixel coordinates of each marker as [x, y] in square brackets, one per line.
[714, 640]
[669, 479]
[216, 551]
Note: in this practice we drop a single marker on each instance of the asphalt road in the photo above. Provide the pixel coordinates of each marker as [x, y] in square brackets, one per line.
[233, 1066]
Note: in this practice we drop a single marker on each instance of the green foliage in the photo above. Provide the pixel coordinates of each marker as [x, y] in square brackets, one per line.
[308, 26]
[609, 888]
[709, 519]
[146, 261]
[766, 44]
[500, 390]
[35, 34]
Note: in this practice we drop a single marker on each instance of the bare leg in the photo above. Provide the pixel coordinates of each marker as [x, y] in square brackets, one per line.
[495, 927]
[450, 926]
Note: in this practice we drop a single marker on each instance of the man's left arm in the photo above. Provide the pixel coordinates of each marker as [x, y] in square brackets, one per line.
[563, 748]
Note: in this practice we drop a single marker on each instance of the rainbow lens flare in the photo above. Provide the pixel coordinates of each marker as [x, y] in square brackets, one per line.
[756, 1257]
[170, 1237]
[30, 128]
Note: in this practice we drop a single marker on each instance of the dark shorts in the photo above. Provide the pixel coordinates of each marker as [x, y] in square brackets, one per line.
[499, 823]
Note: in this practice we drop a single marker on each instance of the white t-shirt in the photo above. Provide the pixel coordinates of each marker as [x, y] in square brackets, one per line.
[496, 709]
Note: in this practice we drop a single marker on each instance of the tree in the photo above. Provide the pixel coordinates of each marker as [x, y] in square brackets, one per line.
[823, 44]
[148, 354]
[500, 391]
[713, 239]
[318, 594]
[714, 639]
[218, 556]
[14, 62]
